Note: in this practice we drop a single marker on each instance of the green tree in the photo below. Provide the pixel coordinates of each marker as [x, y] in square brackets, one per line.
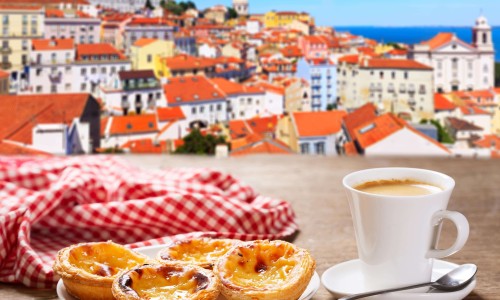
[232, 14]
[149, 5]
[163, 3]
[331, 106]
[443, 135]
[497, 74]
[197, 143]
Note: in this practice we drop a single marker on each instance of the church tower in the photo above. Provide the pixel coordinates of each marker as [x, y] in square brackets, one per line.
[241, 7]
[481, 35]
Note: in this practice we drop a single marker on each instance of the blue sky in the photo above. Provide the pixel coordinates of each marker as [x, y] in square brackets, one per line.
[381, 12]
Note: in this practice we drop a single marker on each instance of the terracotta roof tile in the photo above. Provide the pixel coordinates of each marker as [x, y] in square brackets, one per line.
[12, 148]
[144, 42]
[264, 146]
[52, 44]
[97, 49]
[442, 103]
[143, 146]
[187, 62]
[192, 88]
[365, 113]
[439, 40]
[459, 125]
[19, 114]
[234, 88]
[473, 110]
[382, 63]
[133, 124]
[253, 127]
[319, 123]
[166, 114]
[376, 130]
[489, 141]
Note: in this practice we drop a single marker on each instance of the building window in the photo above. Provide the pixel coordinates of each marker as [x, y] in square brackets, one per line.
[150, 58]
[393, 75]
[83, 72]
[83, 87]
[38, 71]
[406, 75]
[219, 107]
[103, 70]
[25, 45]
[93, 70]
[53, 89]
[39, 89]
[67, 87]
[202, 109]
[320, 147]
[34, 31]
[304, 148]
[158, 96]
[454, 64]
[193, 110]
[485, 68]
[381, 75]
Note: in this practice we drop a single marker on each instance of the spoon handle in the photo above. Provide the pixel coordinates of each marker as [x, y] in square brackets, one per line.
[368, 294]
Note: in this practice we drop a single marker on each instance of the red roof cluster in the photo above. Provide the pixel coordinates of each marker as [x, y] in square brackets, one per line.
[320, 123]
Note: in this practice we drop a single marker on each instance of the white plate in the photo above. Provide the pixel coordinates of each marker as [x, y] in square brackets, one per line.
[151, 251]
[346, 279]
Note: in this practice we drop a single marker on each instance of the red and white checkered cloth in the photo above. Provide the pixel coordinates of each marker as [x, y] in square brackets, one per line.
[50, 203]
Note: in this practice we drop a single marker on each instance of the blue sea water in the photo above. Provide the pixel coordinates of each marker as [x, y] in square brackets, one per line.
[413, 35]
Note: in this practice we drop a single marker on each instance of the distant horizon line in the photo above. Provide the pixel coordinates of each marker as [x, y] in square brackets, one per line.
[423, 26]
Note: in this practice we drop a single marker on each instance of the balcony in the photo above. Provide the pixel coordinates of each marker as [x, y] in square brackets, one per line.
[6, 50]
[6, 65]
[55, 77]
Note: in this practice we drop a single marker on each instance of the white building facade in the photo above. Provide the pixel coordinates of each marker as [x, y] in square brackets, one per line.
[457, 64]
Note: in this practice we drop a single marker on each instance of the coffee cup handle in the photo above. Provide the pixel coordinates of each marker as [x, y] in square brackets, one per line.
[462, 226]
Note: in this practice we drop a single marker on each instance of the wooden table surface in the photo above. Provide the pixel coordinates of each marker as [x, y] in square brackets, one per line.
[313, 186]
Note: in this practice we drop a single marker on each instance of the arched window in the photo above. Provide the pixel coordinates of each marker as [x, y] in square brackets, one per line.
[485, 38]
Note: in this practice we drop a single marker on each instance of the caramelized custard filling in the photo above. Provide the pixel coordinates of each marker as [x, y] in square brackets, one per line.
[165, 282]
[260, 266]
[103, 260]
[201, 251]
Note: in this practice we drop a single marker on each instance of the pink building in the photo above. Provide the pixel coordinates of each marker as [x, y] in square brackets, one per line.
[313, 46]
[79, 26]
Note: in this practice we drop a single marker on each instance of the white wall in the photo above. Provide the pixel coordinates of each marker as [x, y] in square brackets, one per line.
[273, 104]
[405, 143]
[50, 138]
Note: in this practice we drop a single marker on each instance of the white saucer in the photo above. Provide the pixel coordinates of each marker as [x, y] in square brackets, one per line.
[151, 251]
[345, 279]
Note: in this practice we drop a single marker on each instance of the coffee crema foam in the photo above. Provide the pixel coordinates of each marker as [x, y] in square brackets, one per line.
[398, 187]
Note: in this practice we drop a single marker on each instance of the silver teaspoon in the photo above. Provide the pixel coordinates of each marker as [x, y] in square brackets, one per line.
[455, 280]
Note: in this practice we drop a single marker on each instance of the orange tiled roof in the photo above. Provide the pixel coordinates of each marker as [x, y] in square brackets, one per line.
[97, 49]
[377, 130]
[234, 88]
[170, 113]
[144, 42]
[187, 62]
[319, 123]
[258, 127]
[54, 13]
[142, 146]
[8, 5]
[19, 114]
[315, 39]
[12, 148]
[52, 44]
[442, 103]
[264, 146]
[147, 22]
[382, 63]
[358, 117]
[473, 110]
[291, 51]
[489, 141]
[459, 124]
[192, 88]
[398, 52]
[270, 87]
[133, 124]
[349, 59]
[350, 149]
[439, 40]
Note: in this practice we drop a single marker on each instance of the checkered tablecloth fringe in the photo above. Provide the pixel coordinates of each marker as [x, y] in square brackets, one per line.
[50, 203]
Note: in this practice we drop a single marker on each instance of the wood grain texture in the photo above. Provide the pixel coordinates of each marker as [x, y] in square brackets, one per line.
[313, 186]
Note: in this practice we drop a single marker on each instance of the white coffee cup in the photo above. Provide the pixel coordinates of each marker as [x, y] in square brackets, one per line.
[396, 235]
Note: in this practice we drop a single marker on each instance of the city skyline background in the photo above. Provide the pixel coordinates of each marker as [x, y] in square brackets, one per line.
[381, 12]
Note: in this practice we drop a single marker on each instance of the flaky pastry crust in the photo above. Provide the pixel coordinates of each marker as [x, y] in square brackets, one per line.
[166, 281]
[204, 252]
[88, 269]
[265, 270]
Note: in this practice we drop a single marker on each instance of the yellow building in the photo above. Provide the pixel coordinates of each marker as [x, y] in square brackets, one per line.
[145, 51]
[216, 14]
[19, 24]
[274, 19]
